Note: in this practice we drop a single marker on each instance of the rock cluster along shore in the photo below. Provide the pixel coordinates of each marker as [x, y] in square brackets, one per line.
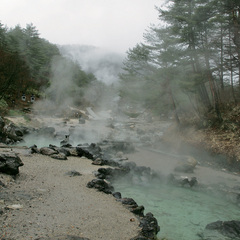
[148, 223]
[112, 156]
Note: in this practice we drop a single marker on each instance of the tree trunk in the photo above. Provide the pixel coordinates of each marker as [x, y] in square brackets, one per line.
[173, 102]
[231, 67]
[212, 84]
[221, 60]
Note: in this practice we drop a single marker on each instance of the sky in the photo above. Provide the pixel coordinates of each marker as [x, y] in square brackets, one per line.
[115, 25]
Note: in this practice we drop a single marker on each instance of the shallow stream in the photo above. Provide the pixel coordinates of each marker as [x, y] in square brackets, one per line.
[181, 212]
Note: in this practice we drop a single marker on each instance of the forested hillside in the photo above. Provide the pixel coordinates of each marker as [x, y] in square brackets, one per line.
[27, 66]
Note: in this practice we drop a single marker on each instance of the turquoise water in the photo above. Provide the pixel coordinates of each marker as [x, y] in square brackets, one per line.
[182, 213]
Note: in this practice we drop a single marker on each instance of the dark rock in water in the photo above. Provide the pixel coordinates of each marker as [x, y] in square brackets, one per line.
[92, 151]
[73, 173]
[10, 163]
[110, 162]
[138, 210]
[193, 181]
[184, 181]
[63, 150]
[104, 173]
[117, 195]
[34, 149]
[149, 225]
[230, 229]
[48, 151]
[19, 132]
[101, 185]
[68, 145]
[110, 173]
[59, 156]
[128, 201]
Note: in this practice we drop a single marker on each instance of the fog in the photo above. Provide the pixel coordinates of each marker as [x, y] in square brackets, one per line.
[112, 25]
[67, 102]
[104, 64]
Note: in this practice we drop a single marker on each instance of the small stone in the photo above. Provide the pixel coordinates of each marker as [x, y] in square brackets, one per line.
[15, 206]
[73, 173]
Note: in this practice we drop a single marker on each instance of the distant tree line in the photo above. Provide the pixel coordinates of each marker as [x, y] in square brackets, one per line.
[189, 64]
[26, 63]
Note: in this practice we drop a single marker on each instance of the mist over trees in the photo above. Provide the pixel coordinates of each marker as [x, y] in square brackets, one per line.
[190, 63]
[103, 64]
[27, 66]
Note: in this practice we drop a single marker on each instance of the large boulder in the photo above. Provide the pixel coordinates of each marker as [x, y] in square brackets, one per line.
[59, 156]
[149, 225]
[92, 151]
[48, 151]
[10, 163]
[220, 230]
[186, 165]
[129, 202]
[101, 186]
[12, 133]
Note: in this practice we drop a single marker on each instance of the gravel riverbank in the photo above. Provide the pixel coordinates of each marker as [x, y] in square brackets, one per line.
[46, 203]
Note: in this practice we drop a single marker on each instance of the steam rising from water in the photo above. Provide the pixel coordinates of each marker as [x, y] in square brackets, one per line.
[60, 93]
[65, 97]
[103, 64]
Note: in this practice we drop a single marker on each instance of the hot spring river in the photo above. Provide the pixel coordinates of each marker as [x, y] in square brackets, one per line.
[182, 213]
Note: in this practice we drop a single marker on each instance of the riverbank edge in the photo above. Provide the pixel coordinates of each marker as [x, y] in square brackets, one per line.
[215, 141]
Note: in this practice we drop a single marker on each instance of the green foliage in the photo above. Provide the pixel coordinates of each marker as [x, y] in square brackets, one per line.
[36, 52]
[15, 113]
[185, 61]
[3, 106]
[27, 65]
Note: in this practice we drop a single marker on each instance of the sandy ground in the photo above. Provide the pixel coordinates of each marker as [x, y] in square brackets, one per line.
[52, 203]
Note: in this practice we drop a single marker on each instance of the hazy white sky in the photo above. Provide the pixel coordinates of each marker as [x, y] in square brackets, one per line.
[112, 24]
